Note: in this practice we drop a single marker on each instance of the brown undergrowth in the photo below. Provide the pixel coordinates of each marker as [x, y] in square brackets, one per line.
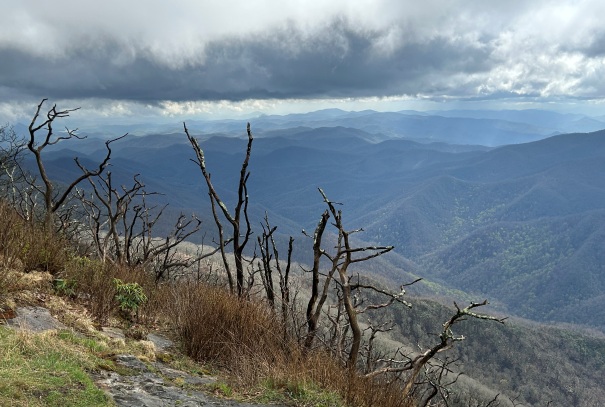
[246, 338]
[243, 338]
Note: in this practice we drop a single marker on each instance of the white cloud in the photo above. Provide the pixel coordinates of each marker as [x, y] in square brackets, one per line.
[176, 54]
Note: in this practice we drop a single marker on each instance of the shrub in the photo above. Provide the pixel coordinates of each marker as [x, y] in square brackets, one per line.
[218, 326]
[130, 296]
[12, 237]
[94, 280]
[65, 287]
[246, 338]
[107, 287]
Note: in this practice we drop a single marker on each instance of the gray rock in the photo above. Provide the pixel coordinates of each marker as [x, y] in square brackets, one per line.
[147, 388]
[35, 319]
[131, 362]
[173, 374]
[112, 332]
[161, 343]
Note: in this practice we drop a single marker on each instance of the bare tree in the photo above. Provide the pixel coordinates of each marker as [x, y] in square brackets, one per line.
[106, 208]
[269, 262]
[241, 230]
[414, 365]
[122, 228]
[343, 256]
[12, 176]
[42, 135]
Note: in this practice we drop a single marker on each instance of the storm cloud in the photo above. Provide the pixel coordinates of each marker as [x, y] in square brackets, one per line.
[154, 51]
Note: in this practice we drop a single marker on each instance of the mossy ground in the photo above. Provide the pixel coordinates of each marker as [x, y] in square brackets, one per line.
[47, 369]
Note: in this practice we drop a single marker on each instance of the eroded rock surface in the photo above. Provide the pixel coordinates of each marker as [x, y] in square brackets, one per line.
[144, 385]
[148, 386]
[35, 319]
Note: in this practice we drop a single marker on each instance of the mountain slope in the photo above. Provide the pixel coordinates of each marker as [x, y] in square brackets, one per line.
[519, 224]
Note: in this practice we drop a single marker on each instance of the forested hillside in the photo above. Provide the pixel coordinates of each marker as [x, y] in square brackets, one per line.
[519, 224]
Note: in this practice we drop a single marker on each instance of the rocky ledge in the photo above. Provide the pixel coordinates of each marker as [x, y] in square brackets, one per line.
[138, 384]
[149, 386]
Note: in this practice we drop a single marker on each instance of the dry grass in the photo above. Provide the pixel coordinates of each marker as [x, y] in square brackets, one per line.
[245, 338]
[28, 246]
[45, 251]
[11, 247]
[241, 337]
[216, 326]
[94, 283]
[12, 237]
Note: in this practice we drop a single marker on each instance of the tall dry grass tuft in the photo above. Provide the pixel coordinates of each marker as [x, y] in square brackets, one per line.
[319, 368]
[217, 326]
[12, 237]
[246, 338]
[157, 311]
[11, 246]
[45, 250]
[28, 245]
[94, 282]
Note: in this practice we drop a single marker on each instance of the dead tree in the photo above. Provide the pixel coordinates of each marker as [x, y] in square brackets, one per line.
[122, 227]
[54, 200]
[241, 230]
[266, 256]
[12, 176]
[343, 256]
[316, 302]
[106, 207]
[439, 379]
[11, 149]
[269, 262]
[414, 365]
[370, 356]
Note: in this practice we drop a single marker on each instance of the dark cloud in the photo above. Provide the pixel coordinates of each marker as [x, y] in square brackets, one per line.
[337, 61]
[595, 47]
[209, 51]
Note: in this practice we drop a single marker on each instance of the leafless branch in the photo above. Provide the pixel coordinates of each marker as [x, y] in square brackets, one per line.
[240, 233]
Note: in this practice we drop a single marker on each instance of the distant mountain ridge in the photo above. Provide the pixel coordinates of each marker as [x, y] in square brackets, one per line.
[490, 128]
[482, 127]
[520, 224]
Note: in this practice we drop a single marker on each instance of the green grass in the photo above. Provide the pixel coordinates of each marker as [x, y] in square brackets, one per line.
[305, 394]
[47, 369]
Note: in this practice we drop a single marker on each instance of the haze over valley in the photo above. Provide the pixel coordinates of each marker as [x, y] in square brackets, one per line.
[469, 135]
[520, 224]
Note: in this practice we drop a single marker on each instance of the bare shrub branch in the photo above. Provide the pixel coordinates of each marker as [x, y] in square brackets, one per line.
[53, 200]
[240, 232]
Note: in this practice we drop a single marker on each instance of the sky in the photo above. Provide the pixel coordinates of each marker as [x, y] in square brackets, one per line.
[153, 60]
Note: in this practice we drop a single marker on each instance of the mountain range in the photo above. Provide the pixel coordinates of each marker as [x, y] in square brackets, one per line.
[500, 206]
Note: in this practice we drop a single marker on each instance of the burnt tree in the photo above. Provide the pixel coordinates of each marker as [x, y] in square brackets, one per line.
[42, 135]
[239, 221]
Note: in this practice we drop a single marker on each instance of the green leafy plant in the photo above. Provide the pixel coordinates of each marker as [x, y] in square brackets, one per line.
[65, 287]
[222, 389]
[130, 296]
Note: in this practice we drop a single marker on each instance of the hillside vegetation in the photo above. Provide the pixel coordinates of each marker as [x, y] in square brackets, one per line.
[520, 224]
[530, 363]
[238, 338]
